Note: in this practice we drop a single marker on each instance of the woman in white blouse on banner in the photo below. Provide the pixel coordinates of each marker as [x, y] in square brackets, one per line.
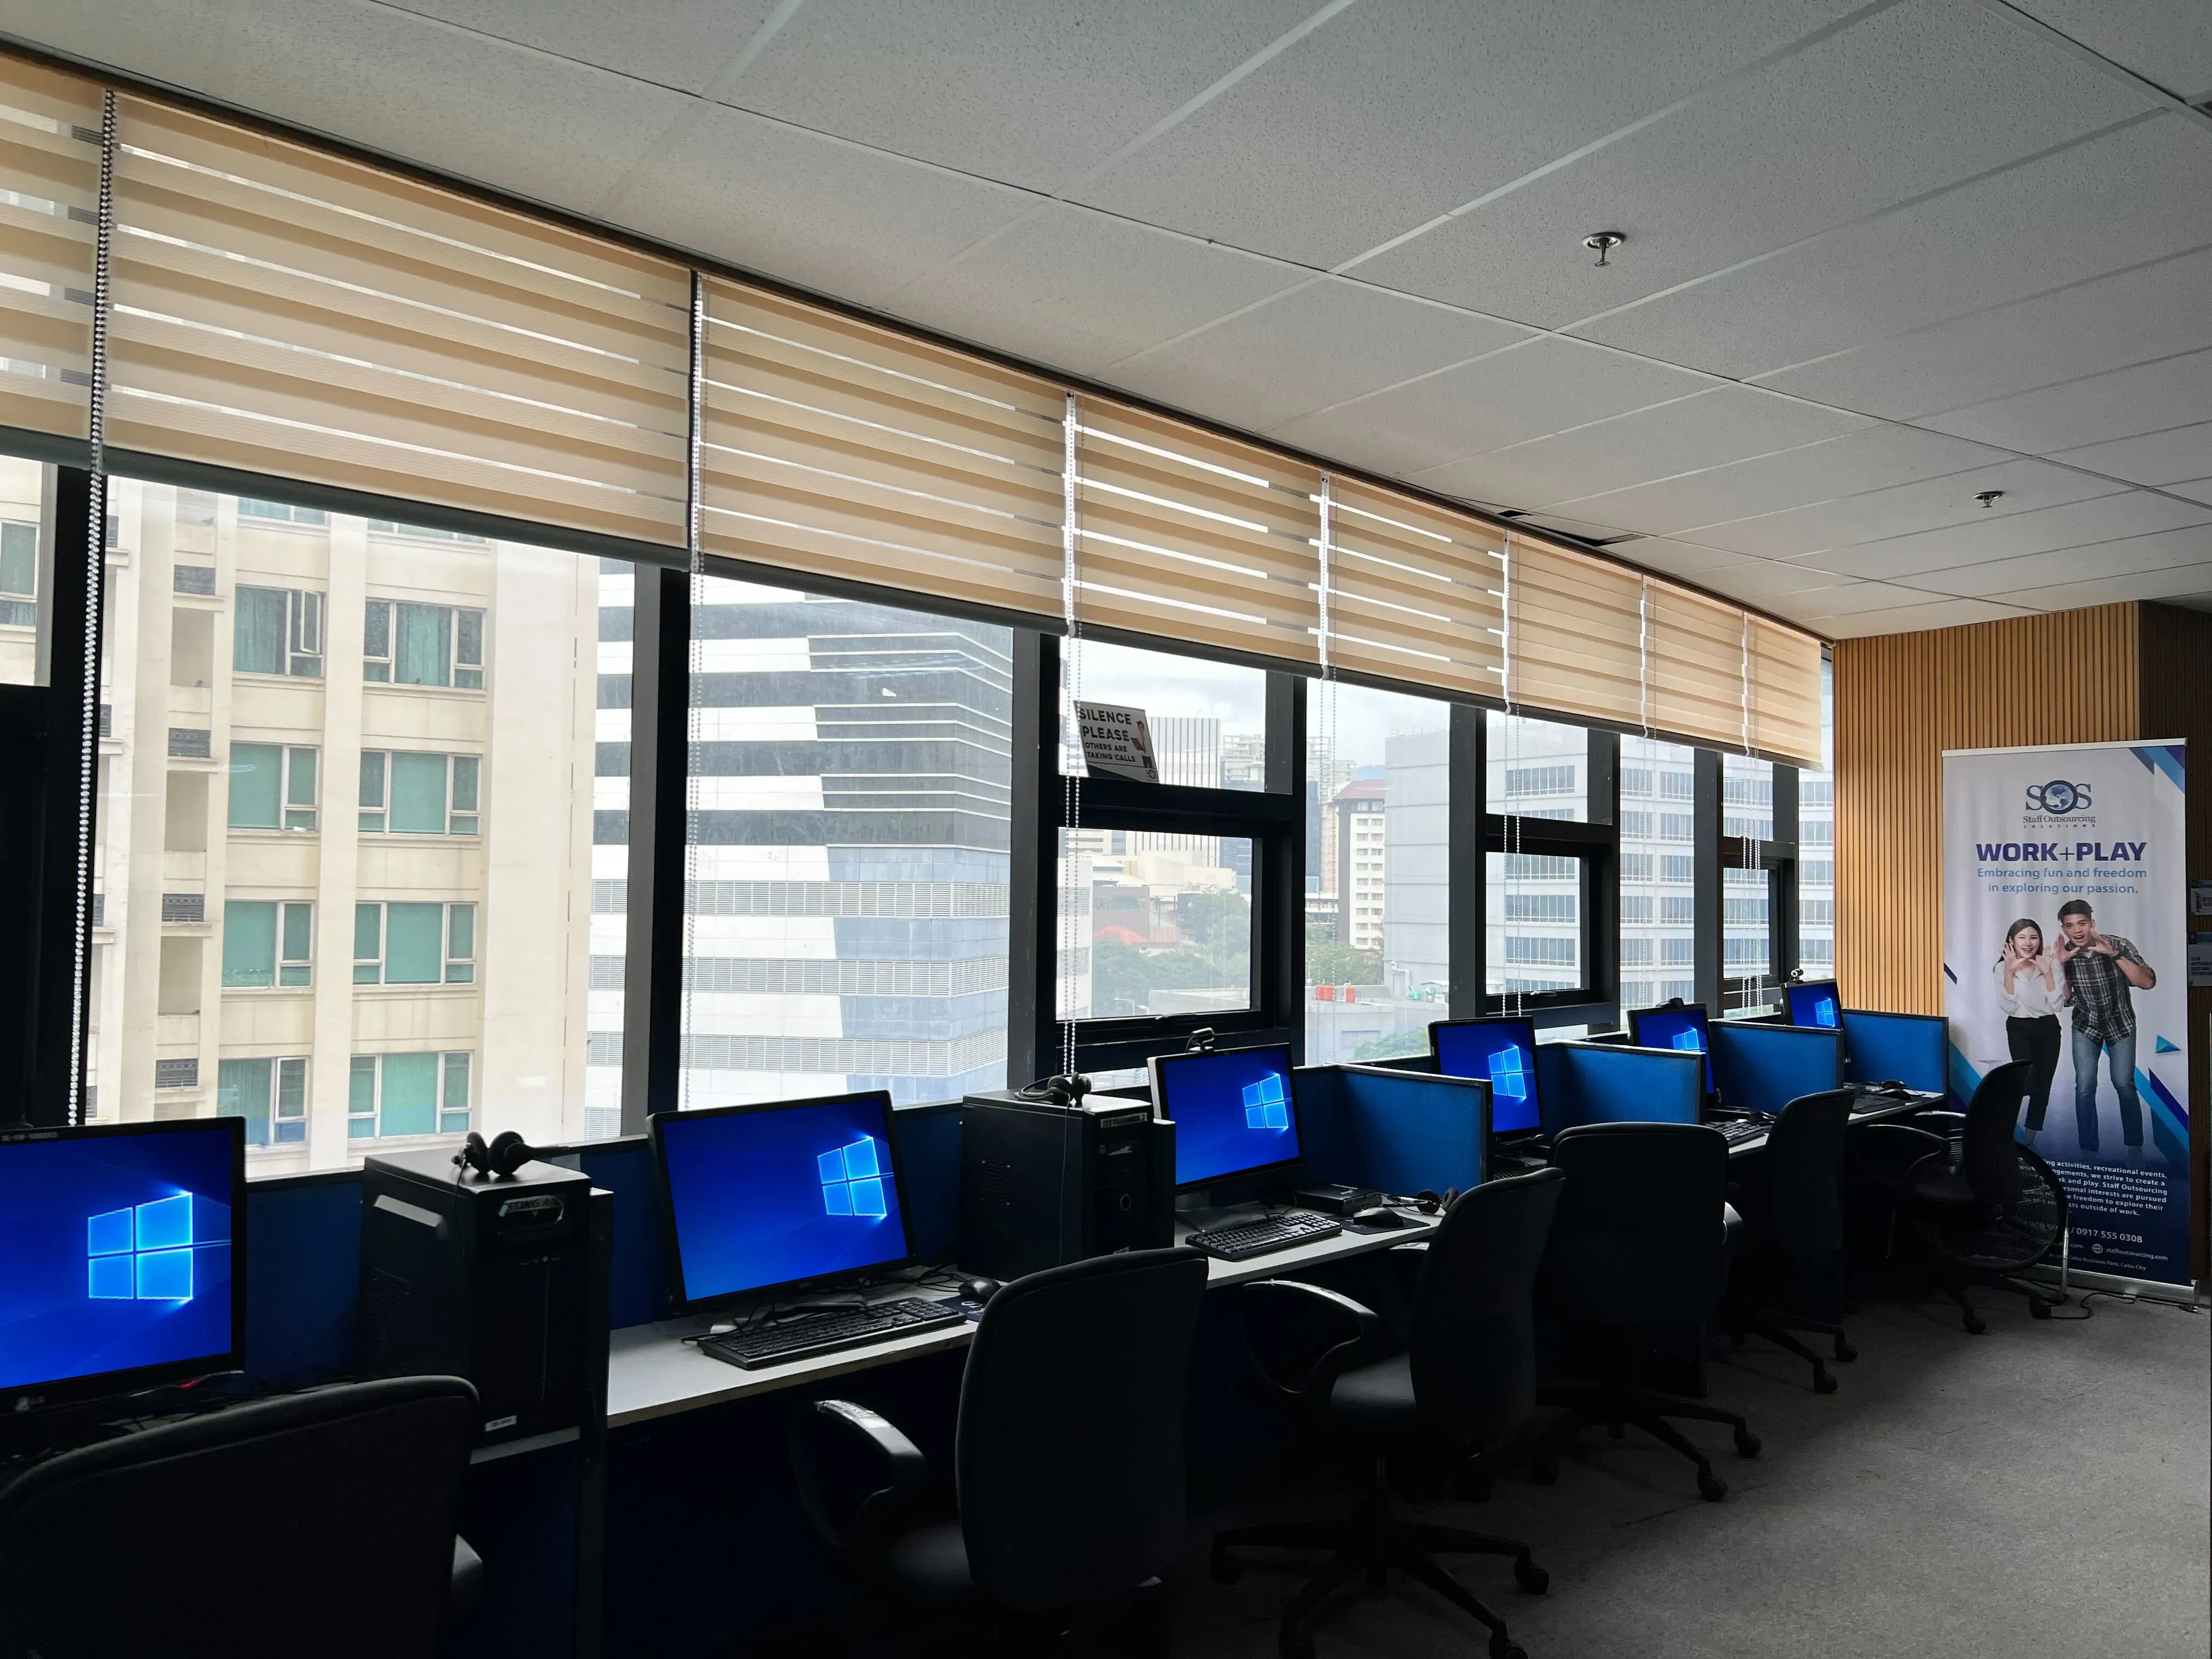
[2032, 990]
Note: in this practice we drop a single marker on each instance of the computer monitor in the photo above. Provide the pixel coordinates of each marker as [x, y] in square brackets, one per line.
[1501, 1050]
[1233, 1109]
[778, 1194]
[1814, 1002]
[1682, 1028]
[122, 1257]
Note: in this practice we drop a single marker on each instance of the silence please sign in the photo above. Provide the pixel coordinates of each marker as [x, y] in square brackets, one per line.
[1117, 741]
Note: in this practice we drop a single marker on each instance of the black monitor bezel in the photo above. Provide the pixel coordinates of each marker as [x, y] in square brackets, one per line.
[1943, 1020]
[1290, 1087]
[1834, 990]
[671, 1237]
[1636, 1035]
[1503, 1137]
[26, 1398]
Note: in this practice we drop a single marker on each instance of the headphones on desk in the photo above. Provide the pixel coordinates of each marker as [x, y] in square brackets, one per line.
[1429, 1204]
[506, 1152]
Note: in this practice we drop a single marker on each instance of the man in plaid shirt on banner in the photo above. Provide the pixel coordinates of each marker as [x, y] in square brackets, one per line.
[2100, 969]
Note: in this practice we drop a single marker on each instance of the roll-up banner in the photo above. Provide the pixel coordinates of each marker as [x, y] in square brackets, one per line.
[2065, 944]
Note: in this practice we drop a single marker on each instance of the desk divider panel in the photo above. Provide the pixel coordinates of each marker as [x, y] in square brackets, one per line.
[1912, 1048]
[1603, 1083]
[1398, 1132]
[1762, 1068]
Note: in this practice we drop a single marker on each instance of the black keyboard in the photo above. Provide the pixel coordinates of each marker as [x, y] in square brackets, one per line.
[825, 1333]
[1743, 1128]
[1241, 1241]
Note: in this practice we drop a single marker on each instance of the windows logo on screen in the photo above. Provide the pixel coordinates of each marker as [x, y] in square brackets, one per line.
[1686, 1040]
[1506, 1076]
[1823, 1013]
[144, 1253]
[1265, 1107]
[853, 1179]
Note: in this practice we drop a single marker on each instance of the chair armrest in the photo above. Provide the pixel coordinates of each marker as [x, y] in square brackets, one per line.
[1301, 1338]
[465, 1589]
[1935, 1121]
[852, 1465]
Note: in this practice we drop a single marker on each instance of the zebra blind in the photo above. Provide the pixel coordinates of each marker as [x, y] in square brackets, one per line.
[1574, 633]
[1414, 593]
[49, 214]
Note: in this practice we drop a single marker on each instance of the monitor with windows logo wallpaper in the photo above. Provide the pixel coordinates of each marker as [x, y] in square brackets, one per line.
[1672, 1028]
[1233, 1111]
[116, 1256]
[783, 1194]
[1502, 1051]
[1815, 1003]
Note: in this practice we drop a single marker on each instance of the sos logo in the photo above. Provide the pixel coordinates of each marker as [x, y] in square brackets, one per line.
[2059, 797]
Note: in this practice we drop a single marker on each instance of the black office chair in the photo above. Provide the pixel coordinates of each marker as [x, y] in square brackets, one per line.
[1465, 1381]
[1790, 1275]
[319, 1523]
[1641, 1245]
[1984, 1207]
[1068, 1462]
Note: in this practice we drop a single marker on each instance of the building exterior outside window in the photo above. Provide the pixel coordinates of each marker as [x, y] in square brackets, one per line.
[1658, 932]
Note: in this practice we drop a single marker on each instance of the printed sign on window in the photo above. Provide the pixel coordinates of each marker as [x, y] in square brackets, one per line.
[1116, 741]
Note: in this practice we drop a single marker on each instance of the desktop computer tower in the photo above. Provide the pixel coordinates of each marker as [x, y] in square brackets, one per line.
[502, 1282]
[1042, 1184]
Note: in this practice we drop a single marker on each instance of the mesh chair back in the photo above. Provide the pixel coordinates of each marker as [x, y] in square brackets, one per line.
[1069, 1456]
[1804, 1172]
[1472, 1344]
[1639, 1239]
[320, 1523]
[1990, 1164]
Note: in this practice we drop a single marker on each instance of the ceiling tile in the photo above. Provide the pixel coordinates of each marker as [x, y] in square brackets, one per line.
[1867, 117]
[2087, 528]
[1869, 460]
[1847, 599]
[1314, 346]
[1077, 290]
[1914, 618]
[2182, 584]
[2068, 217]
[2168, 42]
[1399, 110]
[2196, 489]
[1522, 392]
[1764, 581]
[677, 43]
[1898, 511]
[2147, 397]
[1029, 94]
[176, 41]
[2155, 457]
[2136, 556]
[1714, 429]
[740, 188]
[1688, 560]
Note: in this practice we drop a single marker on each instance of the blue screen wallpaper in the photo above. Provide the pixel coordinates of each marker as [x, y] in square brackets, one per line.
[764, 1198]
[114, 1254]
[1676, 1027]
[1505, 1054]
[1815, 1004]
[1231, 1111]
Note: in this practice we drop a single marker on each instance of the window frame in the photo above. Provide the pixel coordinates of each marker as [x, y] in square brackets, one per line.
[287, 971]
[277, 1120]
[456, 917]
[306, 612]
[290, 766]
[450, 1062]
[458, 822]
[1592, 843]
[385, 612]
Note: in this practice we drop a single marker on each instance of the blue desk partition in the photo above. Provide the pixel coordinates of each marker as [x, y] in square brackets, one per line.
[1396, 1131]
[1762, 1068]
[1601, 1083]
[1912, 1048]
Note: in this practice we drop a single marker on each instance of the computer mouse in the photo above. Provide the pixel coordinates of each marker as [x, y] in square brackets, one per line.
[1381, 1215]
[979, 1290]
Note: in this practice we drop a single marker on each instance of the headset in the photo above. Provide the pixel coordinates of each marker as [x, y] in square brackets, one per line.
[507, 1152]
[1428, 1203]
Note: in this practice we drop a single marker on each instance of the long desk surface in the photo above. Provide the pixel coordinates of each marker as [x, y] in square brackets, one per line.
[1871, 1108]
[653, 1372]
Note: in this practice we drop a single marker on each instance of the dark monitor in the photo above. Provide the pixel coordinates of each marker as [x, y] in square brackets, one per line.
[1233, 1109]
[122, 1257]
[783, 1194]
[1913, 1049]
[1682, 1028]
[1501, 1051]
[1815, 1003]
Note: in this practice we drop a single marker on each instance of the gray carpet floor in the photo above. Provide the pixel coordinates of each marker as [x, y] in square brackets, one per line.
[2039, 1491]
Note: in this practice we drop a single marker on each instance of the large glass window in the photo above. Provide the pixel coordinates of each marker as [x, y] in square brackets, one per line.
[26, 569]
[1208, 719]
[1816, 851]
[1538, 769]
[1378, 872]
[1161, 928]
[1658, 872]
[408, 959]
[847, 855]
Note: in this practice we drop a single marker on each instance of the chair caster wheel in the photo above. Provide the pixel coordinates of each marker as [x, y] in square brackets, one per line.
[2037, 1308]
[1712, 1488]
[1975, 1325]
[1845, 1351]
[1223, 1568]
[1543, 1471]
[1502, 1648]
[1746, 1443]
[1295, 1644]
[1531, 1577]
[1823, 1383]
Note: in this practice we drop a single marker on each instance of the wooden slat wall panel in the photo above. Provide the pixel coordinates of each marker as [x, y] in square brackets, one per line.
[1903, 699]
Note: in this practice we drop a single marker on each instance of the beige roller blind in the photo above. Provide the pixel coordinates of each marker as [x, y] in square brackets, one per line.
[1196, 538]
[49, 203]
[1697, 667]
[293, 314]
[1574, 634]
[831, 448]
[1785, 692]
[1414, 593]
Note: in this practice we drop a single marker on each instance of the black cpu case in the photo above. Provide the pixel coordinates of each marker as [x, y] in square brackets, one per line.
[1042, 1184]
[502, 1282]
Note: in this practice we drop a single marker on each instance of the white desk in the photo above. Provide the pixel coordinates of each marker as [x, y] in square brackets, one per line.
[1871, 1108]
[653, 1372]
